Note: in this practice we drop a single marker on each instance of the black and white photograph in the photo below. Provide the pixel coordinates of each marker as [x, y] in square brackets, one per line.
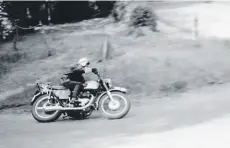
[115, 74]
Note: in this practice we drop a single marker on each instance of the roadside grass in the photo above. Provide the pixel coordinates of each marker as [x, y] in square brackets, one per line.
[155, 64]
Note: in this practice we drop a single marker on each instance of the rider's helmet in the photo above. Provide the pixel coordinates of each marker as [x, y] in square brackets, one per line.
[83, 62]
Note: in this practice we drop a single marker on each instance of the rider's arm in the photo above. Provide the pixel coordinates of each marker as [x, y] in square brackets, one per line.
[84, 70]
[87, 70]
[72, 67]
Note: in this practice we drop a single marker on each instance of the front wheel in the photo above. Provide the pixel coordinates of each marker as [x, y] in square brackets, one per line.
[114, 109]
[40, 114]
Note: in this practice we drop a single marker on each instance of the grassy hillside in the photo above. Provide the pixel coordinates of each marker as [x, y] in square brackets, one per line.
[156, 64]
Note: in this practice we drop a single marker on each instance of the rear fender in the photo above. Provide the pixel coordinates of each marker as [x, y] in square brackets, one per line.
[36, 95]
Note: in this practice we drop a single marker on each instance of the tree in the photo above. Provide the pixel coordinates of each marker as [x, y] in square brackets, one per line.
[6, 26]
[30, 13]
[105, 7]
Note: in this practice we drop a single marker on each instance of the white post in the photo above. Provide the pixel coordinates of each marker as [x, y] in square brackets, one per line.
[196, 31]
[48, 9]
[104, 55]
[196, 27]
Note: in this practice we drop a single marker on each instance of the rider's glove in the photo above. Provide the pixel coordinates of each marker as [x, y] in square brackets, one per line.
[87, 70]
[94, 70]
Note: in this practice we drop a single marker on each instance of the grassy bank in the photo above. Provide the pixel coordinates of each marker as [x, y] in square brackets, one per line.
[156, 64]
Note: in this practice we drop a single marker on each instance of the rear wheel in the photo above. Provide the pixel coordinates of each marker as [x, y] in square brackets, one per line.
[40, 114]
[114, 109]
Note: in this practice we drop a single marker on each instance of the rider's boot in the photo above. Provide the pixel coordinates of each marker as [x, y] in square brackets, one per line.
[73, 99]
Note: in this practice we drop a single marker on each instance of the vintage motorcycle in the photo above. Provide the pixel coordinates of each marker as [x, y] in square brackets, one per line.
[50, 102]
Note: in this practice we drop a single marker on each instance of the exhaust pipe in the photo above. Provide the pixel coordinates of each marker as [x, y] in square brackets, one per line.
[54, 108]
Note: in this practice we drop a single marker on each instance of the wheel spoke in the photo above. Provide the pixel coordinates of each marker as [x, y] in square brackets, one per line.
[107, 108]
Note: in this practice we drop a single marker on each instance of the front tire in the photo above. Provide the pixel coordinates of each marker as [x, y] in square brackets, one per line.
[52, 116]
[112, 115]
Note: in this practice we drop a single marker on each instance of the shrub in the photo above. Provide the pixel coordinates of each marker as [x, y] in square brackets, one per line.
[7, 59]
[3, 69]
[119, 11]
[11, 57]
[178, 86]
[135, 14]
[6, 26]
[18, 99]
[143, 16]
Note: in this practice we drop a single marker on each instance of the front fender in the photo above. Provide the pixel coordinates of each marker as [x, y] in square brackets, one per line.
[114, 89]
[120, 89]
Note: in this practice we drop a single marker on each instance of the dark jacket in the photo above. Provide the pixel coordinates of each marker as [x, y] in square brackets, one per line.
[77, 75]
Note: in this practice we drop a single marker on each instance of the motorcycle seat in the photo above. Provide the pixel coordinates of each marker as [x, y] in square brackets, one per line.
[58, 88]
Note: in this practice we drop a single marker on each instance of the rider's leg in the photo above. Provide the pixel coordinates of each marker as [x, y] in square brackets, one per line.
[76, 92]
[73, 87]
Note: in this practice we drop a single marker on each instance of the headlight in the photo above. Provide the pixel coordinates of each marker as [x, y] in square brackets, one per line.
[108, 82]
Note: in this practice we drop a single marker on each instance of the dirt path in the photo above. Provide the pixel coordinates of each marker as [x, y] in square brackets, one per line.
[154, 116]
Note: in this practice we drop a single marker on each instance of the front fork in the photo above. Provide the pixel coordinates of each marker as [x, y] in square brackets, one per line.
[108, 92]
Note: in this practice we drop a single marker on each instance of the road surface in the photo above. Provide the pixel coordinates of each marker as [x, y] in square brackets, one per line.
[149, 117]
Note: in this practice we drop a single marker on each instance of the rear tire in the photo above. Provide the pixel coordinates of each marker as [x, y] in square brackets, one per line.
[38, 117]
[119, 115]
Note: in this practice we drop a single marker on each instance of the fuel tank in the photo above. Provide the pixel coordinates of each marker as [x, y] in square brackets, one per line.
[91, 85]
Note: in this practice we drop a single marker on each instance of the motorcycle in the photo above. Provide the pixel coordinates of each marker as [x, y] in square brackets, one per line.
[95, 95]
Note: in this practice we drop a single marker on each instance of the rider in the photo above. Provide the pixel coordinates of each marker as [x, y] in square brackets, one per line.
[75, 79]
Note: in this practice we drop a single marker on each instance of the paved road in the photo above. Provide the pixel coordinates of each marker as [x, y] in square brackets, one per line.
[153, 116]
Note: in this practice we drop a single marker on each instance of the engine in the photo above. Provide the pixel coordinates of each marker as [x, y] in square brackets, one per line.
[83, 99]
[85, 95]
